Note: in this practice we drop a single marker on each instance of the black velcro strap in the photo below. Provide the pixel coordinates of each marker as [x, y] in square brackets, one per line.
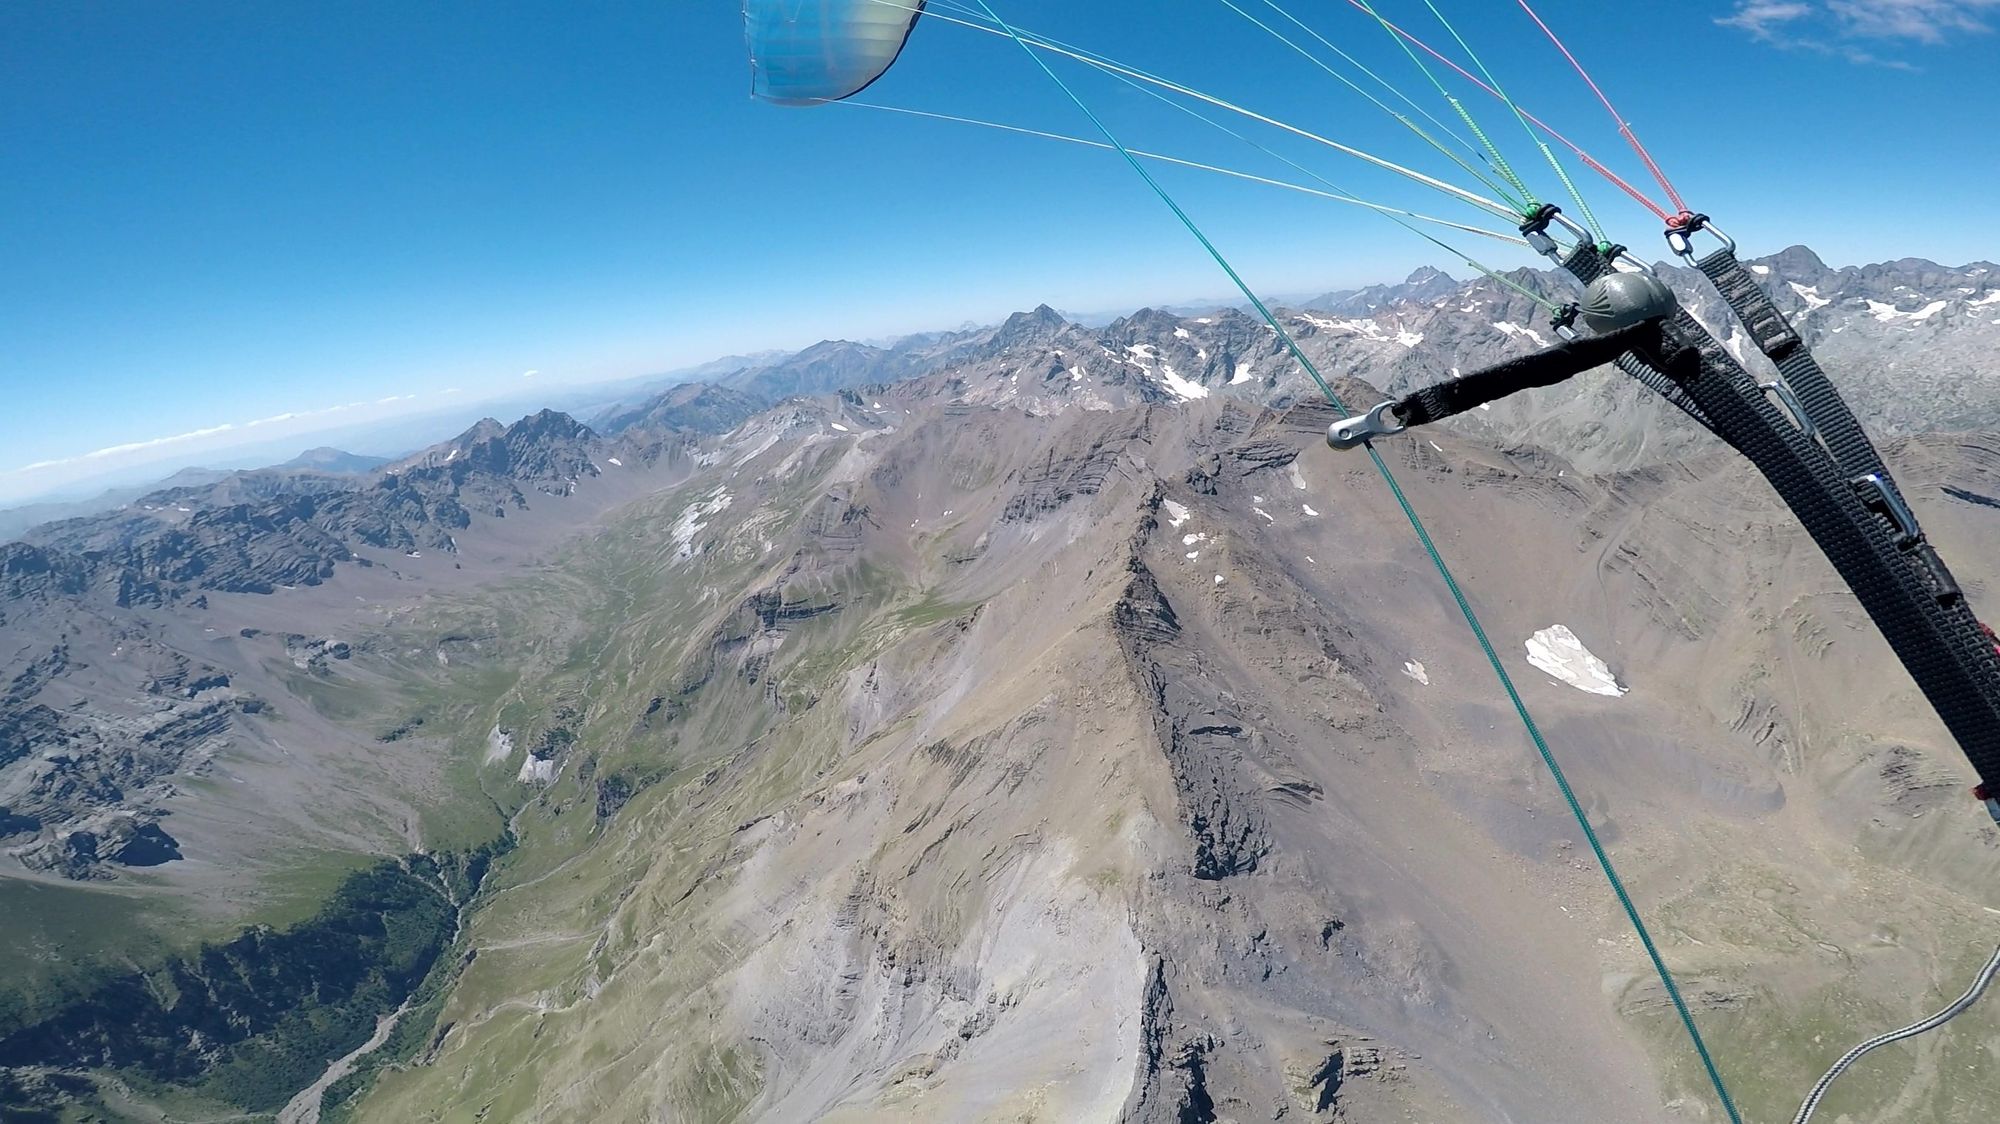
[1775, 336]
[1767, 326]
[1543, 368]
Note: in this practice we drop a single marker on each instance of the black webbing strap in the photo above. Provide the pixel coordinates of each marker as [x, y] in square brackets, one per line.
[1781, 343]
[1893, 573]
[1543, 368]
[1586, 264]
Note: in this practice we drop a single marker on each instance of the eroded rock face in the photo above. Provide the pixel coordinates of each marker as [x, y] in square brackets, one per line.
[82, 784]
[95, 847]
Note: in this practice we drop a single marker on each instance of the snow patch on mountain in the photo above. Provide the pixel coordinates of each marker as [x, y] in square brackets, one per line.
[499, 743]
[1889, 312]
[1557, 651]
[1367, 328]
[690, 523]
[1183, 389]
[1513, 329]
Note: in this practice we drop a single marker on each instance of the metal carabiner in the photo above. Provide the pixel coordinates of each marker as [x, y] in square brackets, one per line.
[1583, 235]
[1361, 428]
[1540, 242]
[1626, 255]
[1680, 242]
[1585, 238]
[1536, 231]
[1563, 321]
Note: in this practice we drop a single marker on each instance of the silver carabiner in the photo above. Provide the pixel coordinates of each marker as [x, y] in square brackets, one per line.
[1679, 241]
[1583, 235]
[1625, 255]
[1361, 428]
[1540, 242]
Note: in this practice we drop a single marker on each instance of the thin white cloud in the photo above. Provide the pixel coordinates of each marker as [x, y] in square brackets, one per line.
[193, 436]
[1762, 18]
[1925, 21]
[128, 447]
[1837, 27]
[529, 374]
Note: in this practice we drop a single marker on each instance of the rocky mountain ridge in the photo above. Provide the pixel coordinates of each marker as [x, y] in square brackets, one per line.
[262, 532]
[110, 707]
[1910, 342]
[1048, 730]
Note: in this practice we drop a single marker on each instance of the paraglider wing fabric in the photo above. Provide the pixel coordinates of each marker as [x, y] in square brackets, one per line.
[803, 52]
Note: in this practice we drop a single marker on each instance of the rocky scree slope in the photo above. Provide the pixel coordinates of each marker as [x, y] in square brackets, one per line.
[942, 761]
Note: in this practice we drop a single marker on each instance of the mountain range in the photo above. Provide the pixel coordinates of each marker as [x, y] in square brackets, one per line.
[1025, 722]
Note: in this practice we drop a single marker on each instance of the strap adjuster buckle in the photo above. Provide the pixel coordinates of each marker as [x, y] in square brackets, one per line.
[1879, 496]
[1782, 390]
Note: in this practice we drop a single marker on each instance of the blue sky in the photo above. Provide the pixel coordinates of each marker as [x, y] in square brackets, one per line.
[216, 214]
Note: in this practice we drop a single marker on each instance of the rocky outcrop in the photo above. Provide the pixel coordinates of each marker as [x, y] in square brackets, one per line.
[1079, 466]
[81, 786]
[1173, 1080]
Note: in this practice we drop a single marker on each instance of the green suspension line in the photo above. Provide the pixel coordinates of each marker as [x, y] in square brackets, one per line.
[1402, 118]
[1583, 208]
[1498, 161]
[1493, 156]
[1547, 305]
[1379, 80]
[1437, 559]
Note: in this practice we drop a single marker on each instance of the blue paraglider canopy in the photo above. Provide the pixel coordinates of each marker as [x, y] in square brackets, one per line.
[803, 52]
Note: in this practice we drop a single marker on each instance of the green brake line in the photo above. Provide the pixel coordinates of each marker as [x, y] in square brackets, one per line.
[1562, 173]
[1437, 559]
[1547, 305]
